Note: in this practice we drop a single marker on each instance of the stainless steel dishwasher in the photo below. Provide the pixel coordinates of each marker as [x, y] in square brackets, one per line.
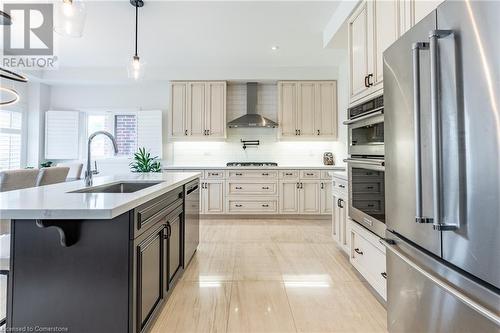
[192, 219]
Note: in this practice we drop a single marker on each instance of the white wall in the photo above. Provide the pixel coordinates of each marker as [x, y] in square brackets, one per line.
[38, 103]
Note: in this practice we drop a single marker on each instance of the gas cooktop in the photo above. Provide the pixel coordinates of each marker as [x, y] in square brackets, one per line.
[251, 164]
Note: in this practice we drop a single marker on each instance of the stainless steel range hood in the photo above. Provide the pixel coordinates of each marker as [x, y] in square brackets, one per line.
[252, 119]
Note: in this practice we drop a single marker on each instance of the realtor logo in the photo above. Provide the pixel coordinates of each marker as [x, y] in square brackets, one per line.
[31, 31]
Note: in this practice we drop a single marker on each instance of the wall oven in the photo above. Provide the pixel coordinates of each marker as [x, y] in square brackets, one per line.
[366, 128]
[366, 193]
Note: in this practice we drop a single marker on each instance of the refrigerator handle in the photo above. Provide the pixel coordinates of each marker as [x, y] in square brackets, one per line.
[416, 48]
[438, 224]
[392, 247]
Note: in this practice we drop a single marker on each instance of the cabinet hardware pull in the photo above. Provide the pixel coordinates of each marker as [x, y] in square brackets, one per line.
[296, 132]
[369, 187]
[239, 187]
[299, 132]
[366, 84]
[298, 185]
[288, 174]
[341, 186]
[239, 174]
[301, 185]
[239, 205]
[265, 205]
[318, 132]
[208, 132]
[265, 187]
[265, 174]
[322, 186]
[358, 251]
[384, 275]
[368, 79]
[310, 174]
[339, 203]
[186, 132]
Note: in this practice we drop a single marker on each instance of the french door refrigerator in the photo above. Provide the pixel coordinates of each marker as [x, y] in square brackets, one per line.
[442, 155]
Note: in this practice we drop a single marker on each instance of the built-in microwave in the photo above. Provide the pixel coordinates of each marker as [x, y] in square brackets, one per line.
[367, 193]
[366, 128]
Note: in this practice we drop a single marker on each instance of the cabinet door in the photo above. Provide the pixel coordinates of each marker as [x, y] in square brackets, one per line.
[196, 109]
[215, 116]
[326, 109]
[288, 108]
[422, 8]
[358, 51]
[289, 197]
[344, 232]
[385, 32]
[309, 197]
[178, 109]
[307, 107]
[213, 197]
[150, 274]
[405, 16]
[326, 197]
[174, 248]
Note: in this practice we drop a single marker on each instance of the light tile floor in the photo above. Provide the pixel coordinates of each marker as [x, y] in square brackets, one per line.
[270, 276]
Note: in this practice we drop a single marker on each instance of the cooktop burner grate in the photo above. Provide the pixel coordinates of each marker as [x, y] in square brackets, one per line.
[246, 164]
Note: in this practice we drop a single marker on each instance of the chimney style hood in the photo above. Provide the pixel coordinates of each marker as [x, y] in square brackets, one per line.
[252, 119]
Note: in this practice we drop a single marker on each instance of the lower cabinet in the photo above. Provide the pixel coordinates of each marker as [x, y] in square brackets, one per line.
[289, 197]
[325, 197]
[175, 246]
[309, 197]
[368, 257]
[212, 197]
[340, 219]
[150, 264]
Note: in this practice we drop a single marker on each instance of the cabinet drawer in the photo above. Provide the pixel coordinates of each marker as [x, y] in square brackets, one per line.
[339, 185]
[369, 260]
[325, 175]
[369, 205]
[255, 206]
[146, 215]
[214, 174]
[368, 187]
[366, 175]
[239, 188]
[239, 174]
[310, 174]
[289, 174]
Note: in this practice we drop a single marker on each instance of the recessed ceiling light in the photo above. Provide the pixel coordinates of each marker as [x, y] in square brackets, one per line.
[275, 48]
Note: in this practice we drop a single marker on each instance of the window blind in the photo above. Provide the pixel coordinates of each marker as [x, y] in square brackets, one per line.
[62, 129]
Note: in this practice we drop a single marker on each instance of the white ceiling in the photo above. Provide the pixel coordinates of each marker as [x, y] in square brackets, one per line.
[230, 33]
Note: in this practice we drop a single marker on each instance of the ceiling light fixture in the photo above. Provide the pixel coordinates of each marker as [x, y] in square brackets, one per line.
[5, 18]
[6, 74]
[70, 18]
[275, 48]
[9, 101]
[136, 68]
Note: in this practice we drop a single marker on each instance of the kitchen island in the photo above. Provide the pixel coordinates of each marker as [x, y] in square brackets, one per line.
[97, 259]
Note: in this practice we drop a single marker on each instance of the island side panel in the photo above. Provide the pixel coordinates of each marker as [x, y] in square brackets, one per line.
[84, 287]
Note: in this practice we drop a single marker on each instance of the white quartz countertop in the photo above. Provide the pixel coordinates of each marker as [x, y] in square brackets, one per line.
[279, 167]
[54, 201]
[339, 174]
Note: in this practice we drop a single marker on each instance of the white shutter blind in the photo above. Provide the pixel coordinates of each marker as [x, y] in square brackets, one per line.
[149, 131]
[62, 135]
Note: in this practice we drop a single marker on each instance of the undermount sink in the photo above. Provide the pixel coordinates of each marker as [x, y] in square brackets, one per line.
[121, 187]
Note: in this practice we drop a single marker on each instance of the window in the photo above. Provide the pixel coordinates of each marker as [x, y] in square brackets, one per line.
[10, 139]
[122, 126]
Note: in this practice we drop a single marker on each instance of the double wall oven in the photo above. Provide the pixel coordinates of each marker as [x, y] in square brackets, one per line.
[366, 167]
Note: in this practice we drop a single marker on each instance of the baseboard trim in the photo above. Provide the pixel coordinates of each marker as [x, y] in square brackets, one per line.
[265, 216]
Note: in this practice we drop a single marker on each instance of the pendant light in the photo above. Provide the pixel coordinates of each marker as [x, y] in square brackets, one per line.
[70, 17]
[136, 68]
[5, 18]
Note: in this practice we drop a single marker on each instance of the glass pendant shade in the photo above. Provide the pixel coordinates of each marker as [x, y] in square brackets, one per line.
[69, 19]
[136, 68]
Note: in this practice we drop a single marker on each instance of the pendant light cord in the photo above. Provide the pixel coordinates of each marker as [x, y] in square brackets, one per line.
[136, 27]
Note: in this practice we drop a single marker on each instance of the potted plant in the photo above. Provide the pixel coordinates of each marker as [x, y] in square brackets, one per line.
[143, 162]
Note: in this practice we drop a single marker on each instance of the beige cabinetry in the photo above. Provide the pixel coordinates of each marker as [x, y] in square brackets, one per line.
[197, 109]
[340, 220]
[372, 28]
[213, 197]
[367, 255]
[307, 109]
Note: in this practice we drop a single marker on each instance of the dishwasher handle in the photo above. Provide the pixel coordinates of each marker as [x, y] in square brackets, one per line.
[192, 189]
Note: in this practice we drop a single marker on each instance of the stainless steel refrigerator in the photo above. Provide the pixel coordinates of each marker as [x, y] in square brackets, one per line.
[442, 146]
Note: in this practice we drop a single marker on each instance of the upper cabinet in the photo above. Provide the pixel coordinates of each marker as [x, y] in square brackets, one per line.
[197, 109]
[307, 109]
[372, 28]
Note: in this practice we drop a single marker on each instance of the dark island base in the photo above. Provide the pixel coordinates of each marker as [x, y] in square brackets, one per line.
[115, 277]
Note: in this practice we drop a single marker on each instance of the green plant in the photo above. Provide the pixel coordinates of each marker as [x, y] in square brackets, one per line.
[143, 162]
[46, 164]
